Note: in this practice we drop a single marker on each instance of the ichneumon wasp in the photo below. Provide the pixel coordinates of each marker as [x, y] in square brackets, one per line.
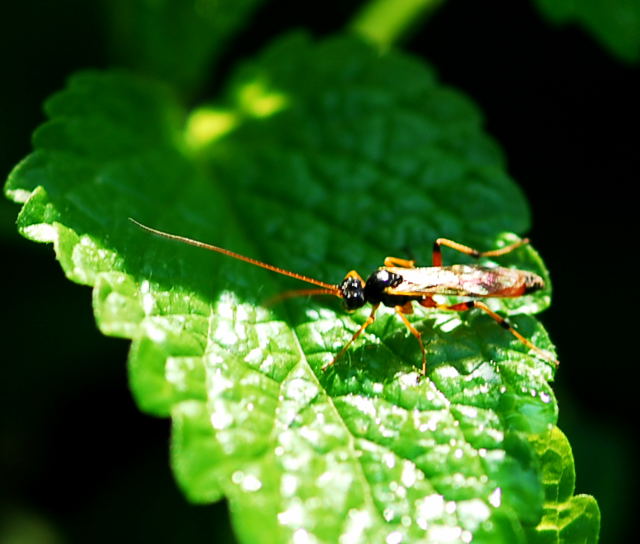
[399, 283]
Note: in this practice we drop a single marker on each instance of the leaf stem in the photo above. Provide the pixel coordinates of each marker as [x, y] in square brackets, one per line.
[384, 22]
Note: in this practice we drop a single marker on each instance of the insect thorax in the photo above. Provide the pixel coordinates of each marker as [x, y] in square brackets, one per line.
[381, 279]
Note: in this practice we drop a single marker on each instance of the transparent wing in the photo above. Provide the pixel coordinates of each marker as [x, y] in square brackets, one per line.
[458, 280]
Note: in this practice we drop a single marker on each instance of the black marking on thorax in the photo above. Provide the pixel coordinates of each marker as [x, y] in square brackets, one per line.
[381, 279]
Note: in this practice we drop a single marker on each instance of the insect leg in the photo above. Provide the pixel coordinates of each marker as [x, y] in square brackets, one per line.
[370, 319]
[403, 263]
[408, 309]
[437, 249]
[506, 325]
[463, 306]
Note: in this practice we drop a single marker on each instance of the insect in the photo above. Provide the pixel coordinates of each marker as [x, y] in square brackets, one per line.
[399, 283]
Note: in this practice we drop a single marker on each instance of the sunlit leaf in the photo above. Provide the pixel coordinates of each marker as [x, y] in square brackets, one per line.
[319, 158]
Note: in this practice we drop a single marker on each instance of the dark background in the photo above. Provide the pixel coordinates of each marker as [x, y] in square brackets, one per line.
[79, 463]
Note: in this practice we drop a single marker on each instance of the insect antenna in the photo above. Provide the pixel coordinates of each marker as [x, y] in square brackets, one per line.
[277, 299]
[327, 288]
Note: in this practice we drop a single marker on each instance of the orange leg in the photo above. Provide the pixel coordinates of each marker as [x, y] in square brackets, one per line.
[370, 319]
[437, 249]
[464, 306]
[402, 263]
[354, 274]
[402, 311]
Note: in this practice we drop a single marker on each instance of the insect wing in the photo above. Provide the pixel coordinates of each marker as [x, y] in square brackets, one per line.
[426, 280]
[456, 280]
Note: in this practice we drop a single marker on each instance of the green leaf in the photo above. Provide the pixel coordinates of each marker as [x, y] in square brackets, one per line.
[319, 158]
[567, 518]
[174, 40]
[614, 23]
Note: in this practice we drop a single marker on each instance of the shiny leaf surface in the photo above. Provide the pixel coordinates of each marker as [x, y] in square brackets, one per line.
[319, 158]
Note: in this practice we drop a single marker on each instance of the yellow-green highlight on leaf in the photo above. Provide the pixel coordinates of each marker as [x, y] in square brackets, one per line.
[384, 22]
[255, 99]
[206, 125]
